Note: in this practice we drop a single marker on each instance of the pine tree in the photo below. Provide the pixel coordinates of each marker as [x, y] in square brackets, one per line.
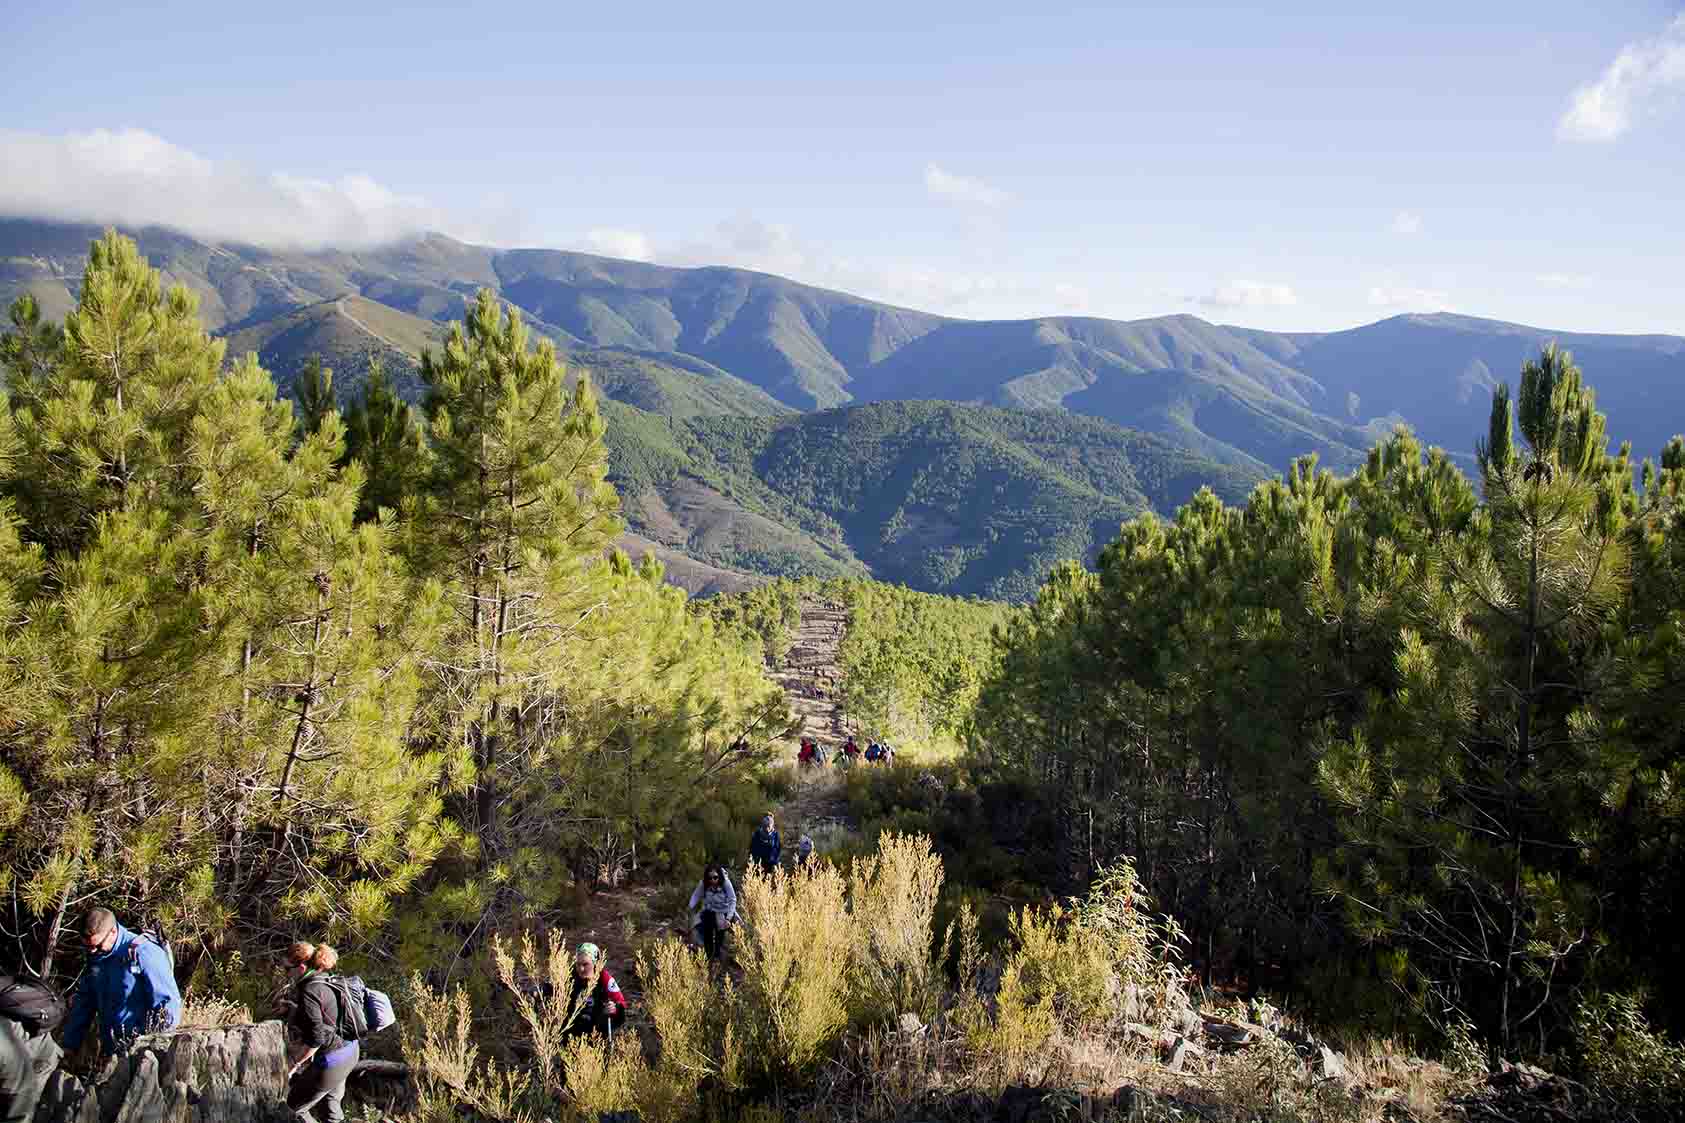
[101, 422]
[313, 396]
[1485, 760]
[514, 517]
[384, 435]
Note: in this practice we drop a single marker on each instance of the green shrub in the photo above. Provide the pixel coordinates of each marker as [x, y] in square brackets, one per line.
[1627, 1061]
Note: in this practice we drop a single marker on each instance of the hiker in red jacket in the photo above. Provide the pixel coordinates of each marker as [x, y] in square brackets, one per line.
[596, 996]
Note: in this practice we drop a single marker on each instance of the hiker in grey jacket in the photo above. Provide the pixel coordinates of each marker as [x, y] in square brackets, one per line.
[713, 908]
[26, 1061]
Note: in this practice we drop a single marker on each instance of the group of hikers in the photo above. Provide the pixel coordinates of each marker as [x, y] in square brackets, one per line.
[713, 903]
[812, 755]
[129, 986]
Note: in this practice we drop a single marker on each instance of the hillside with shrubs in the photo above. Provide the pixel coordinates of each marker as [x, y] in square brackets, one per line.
[1359, 800]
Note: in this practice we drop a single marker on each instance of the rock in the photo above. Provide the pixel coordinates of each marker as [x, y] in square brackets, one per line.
[1329, 1065]
[910, 1025]
[232, 1075]
[1178, 1054]
[1229, 1034]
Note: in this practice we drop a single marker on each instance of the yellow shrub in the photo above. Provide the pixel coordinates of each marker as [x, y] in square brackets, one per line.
[546, 1016]
[449, 1076]
[603, 1076]
[795, 958]
[893, 898]
[1021, 1025]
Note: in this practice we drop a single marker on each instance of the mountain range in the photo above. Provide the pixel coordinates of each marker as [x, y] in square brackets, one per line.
[684, 349]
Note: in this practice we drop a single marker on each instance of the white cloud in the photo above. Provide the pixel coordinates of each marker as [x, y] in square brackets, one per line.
[1410, 299]
[1406, 222]
[1564, 280]
[1249, 294]
[1641, 75]
[963, 190]
[130, 177]
[633, 245]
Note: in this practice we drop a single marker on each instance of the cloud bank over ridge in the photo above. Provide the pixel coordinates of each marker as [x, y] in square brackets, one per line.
[131, 177]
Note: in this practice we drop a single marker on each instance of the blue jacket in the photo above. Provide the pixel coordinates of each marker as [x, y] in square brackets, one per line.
[124, 986]
[764, 847]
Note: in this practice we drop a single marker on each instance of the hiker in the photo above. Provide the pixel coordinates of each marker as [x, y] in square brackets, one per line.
[320, 1058]
[595, 996]
[713, 909]
[874, 753]
[764, 847]
[28, 1054]
[130, 983]
[850, 752]
[809, 754]
[804, 852]
[886, 755]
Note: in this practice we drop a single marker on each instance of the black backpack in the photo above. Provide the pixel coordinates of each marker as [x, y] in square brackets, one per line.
[353, 994]
[31, 1005]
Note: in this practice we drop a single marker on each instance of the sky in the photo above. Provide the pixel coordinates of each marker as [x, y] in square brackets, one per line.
[1300, 167]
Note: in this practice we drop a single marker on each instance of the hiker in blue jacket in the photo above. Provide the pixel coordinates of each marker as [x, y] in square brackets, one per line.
[764, 847]
[129, 983]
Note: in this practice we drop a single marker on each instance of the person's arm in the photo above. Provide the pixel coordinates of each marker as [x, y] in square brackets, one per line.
[155, 968]
[777, 848]
[695, 897]
[730, 899]
[82, 1010]
[614, 1005]
[314, 1023]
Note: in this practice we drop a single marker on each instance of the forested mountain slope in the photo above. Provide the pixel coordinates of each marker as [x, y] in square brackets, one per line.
[940, 496]
[1239, 396]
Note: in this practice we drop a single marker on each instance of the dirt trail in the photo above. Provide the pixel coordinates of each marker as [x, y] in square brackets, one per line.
[811, 675]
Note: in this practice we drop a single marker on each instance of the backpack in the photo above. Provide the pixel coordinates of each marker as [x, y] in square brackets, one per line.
[362, 1009]
[377, 1007]
[33, 1006]
[156, 937]
[353, 1020]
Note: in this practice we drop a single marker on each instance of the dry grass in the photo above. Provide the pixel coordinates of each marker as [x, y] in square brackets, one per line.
[207, 1011]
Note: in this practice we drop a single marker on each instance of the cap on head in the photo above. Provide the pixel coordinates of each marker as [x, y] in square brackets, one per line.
[588, 951]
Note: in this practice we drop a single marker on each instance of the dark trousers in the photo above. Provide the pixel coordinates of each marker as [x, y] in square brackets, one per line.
[713, 934]
[315, 1084]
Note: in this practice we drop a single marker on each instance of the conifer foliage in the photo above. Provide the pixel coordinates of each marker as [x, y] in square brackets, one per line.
[1406, 744]
[247, 694]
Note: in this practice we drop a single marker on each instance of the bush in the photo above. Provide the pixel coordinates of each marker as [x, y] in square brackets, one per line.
[694, 1023]
[893, 895]
[795, 957]
[1626, 1061]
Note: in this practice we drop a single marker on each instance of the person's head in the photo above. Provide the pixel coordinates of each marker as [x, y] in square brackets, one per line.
[714, 876]
[804, 845]
[302, 957]
[766, 821]
[585, 960]
[99, 931]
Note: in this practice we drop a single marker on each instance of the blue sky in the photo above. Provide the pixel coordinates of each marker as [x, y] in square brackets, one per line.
[1300, 168]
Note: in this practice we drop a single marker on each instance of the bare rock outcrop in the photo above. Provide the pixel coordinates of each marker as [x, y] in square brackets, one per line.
[232, 1075]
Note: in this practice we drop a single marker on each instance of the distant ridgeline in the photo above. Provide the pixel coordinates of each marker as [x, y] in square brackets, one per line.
[994, 502]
